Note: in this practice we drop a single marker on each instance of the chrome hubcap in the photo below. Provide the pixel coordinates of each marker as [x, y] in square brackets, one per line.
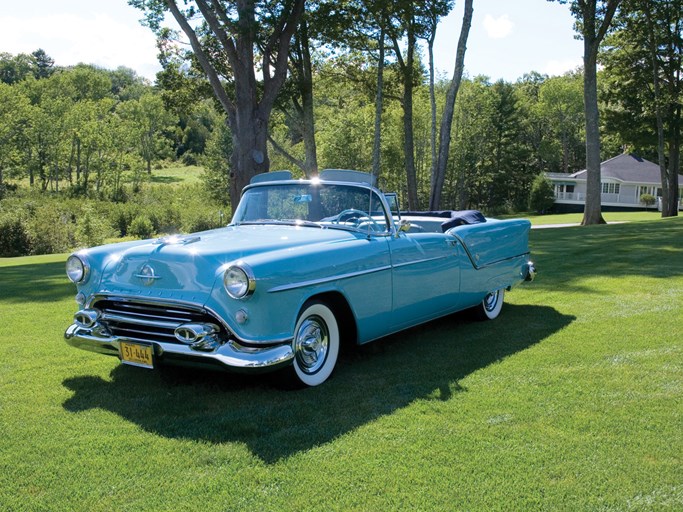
[311, 344]
[491, 300]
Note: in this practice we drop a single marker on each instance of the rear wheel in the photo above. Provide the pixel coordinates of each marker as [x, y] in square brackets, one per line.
[491, 305]
[315, 344]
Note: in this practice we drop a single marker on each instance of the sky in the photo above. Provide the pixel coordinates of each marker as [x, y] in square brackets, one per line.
[508, 38]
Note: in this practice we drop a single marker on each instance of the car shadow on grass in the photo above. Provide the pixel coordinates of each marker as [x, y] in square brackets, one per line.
[427, 362]
[39, 282]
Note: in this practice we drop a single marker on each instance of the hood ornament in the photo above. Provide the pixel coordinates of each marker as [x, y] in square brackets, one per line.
[177, 240]
[147, 275]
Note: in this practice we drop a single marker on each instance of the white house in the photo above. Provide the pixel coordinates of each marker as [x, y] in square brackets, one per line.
[624, 179]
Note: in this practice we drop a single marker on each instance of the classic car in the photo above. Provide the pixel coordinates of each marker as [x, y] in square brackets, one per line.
[304, 266]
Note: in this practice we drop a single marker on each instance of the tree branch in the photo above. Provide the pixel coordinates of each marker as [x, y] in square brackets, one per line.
[209, 14]
[285, 153]
[203, 59]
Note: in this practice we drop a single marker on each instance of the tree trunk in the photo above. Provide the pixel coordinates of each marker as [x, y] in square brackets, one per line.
[305, 79]
[439, 176]
[593, 30]
[432, 103]
[406, 67]
[659, 116]
[379, 101]
[674, 167]
[592, 213]
[670, 184]
[249, 112]
[250, 152]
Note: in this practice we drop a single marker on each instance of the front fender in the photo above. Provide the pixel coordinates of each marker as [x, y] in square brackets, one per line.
[286, 279]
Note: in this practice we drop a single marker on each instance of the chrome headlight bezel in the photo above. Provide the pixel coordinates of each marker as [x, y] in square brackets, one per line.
[239, 281]
[77, 268]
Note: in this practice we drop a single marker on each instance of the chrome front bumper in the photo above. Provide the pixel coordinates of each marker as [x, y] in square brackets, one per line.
[229, 356]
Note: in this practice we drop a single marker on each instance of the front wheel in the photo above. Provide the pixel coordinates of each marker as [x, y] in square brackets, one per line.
[315, 344]
[491, 305]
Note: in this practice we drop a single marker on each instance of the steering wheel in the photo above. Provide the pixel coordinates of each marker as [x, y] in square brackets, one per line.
[354, 216]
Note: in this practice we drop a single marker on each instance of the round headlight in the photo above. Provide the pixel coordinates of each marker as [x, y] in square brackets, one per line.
[239, 281]
[77, 268]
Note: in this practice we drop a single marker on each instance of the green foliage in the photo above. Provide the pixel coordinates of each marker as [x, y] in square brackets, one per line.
[542, 195]
[51, 229]
[82, 128]
[16, 68]
[35, 223]
[216, 176]
[648, 199]
[91, 229]
[141, 227]
[14, 236]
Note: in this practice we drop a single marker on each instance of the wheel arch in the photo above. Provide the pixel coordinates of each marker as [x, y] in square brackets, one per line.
[348, 330]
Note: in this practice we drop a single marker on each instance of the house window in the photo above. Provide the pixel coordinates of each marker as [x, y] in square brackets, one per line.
[610, 188]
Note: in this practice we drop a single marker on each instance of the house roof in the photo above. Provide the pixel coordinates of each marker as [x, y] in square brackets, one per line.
[629, 169]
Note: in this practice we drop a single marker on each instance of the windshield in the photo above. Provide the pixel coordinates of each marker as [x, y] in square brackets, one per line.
[315, 204]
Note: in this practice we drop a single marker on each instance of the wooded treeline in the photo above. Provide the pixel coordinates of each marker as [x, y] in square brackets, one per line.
[357, 91]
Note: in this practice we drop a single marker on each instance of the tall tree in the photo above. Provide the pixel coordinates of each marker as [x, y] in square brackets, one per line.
[234, 39]
[405, 30]
[297, 103]
[43, 64]
[15, 115]
[149, 119]
[362, 26]
[434, 11]
[643, 66]
[593, 20]
[439, 171]
[560, 109]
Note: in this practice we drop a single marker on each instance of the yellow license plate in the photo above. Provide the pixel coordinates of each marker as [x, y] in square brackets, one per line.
[136, 354]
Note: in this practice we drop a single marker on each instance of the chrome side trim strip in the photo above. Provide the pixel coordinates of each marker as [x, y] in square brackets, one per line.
[323, 280]
[424, 260]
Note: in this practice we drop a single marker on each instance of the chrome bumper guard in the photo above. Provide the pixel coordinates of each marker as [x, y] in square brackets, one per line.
[230, 355]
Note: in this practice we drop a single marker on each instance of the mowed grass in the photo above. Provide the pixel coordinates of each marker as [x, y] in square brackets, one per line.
[576, 218]
[571, 400]
[177, 175]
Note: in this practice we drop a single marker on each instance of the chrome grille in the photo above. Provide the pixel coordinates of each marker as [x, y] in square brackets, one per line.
[148, 321]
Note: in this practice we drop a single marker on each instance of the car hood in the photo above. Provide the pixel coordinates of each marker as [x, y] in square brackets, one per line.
[185, 267]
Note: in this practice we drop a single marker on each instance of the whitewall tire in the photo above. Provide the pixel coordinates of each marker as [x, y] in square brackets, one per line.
[490, 307]
[315, 344]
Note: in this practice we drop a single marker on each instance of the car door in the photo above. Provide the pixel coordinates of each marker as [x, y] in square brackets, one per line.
[425, 277]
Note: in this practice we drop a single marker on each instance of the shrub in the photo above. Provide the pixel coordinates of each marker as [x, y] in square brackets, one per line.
[91, 230]
[542, 196]
[648, 200]
[201, 221]
[51, 230]
[14, 237]
[141, 227]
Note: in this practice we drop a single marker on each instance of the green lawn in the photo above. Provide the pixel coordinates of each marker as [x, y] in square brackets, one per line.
[575, 218]
[177, 174]
[571, 400]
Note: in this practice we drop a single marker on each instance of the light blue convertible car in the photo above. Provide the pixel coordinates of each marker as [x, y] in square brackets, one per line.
[304, 266]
